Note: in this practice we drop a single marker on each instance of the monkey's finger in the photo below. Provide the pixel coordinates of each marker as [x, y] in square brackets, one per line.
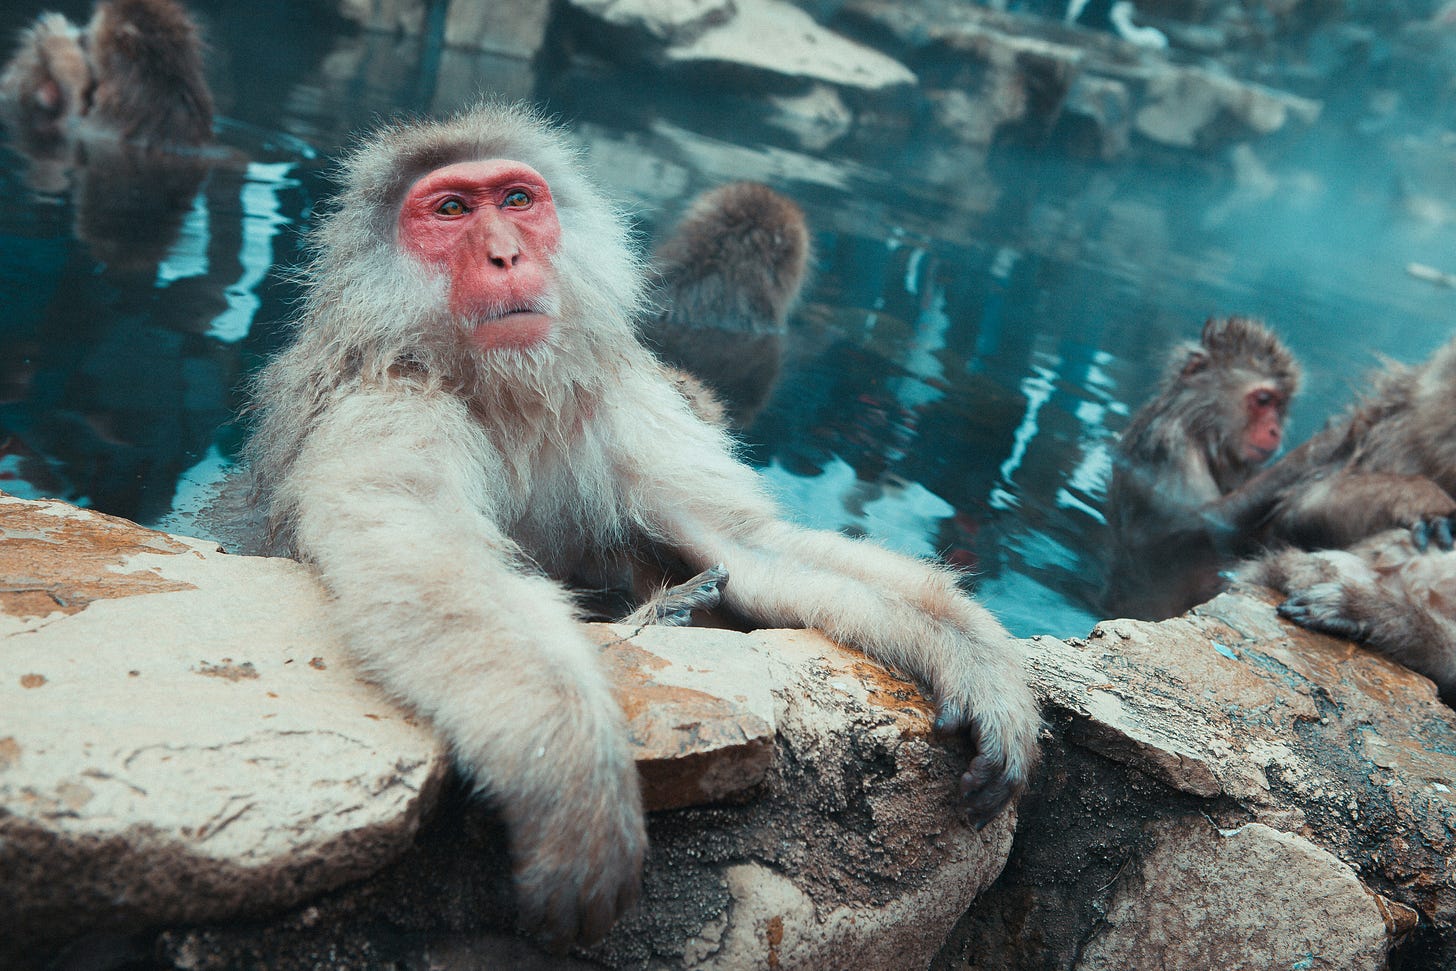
[1318, 617]
[986, 789]
[953, 719]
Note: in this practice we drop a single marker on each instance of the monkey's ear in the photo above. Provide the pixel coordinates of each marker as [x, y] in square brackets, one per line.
[1197, 361]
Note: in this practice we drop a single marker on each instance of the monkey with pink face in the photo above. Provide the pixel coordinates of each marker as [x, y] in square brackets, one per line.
[466, 420]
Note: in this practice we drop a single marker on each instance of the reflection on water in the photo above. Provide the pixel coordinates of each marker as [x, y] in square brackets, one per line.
[974, 334]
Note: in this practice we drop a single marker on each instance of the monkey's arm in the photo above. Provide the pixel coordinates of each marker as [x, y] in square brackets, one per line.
[1345, 507]
[903, 612]
[1386, 592]
[390, 498]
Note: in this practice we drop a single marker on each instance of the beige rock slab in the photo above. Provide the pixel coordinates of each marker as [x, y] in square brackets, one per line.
[180, 736]
[778, 37]
[1252, 897]
[183, 738]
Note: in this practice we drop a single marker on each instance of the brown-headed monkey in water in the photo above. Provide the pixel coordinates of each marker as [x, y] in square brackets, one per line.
[1389, 463]
[727, 279]
[466, 418]
[134, 73]
[1181, 507]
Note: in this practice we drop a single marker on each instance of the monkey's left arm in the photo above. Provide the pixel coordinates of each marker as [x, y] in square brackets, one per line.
[1388, 593]
[911, 615]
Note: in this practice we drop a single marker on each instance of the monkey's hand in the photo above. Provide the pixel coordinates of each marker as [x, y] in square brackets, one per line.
[674, 606]
[1323, 608]
[576, 827]
[1005, 753]
[1437, 530]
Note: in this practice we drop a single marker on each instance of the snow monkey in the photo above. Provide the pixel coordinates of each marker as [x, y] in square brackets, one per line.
[465, 421]
[1182, 505]
[729, 276]
[134, 72]
[1394, 591]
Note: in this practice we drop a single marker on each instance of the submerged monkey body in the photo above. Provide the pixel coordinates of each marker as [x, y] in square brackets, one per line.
[443, 490]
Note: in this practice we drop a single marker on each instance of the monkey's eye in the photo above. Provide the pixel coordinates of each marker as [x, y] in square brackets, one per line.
[516, 199]
[1263, 398]
[451, 207]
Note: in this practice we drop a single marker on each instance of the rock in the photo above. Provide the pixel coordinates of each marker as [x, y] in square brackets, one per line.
[848, 854]
[182, 738]
[514, 28]
[1096, 118]
[665, 21]
[388, 16]
[1248, 897]
[1194, 107]
[1173, 742]
[988, 73]
[778, 38]
[231, 763]
[765, 39]
[819, 117]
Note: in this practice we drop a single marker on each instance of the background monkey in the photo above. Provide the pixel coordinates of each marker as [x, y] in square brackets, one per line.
[1184, 502]
[729, 276]
[466, 418]
[135, 72]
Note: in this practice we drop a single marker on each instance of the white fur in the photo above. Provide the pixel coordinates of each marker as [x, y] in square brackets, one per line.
[435, 487]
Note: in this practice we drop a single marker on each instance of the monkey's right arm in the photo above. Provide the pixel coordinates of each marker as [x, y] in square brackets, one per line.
[389, 497]
[1386, 592]
[1345, 507]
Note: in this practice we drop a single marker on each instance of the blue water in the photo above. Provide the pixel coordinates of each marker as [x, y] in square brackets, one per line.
[974, 337]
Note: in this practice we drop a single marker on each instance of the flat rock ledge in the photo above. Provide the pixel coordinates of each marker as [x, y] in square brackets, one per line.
[193, 773]
[1224, 790]
[193, 776]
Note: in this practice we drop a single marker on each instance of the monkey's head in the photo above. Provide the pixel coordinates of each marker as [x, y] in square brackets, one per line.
[490, 226]
[1243, 378]
[481, 230]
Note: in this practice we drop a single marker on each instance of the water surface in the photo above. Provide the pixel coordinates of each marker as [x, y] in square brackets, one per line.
[977, 331]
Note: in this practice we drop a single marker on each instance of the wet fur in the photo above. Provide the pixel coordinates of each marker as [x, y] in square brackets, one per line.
[1389, 462]
[1183, 501]
[727, 279]
[442, 495]
[1384, 592]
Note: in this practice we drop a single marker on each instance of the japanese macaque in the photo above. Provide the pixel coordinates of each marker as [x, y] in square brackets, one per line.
[1394, 591]
[47, 81]
[134, 73]
[1184, 502]
[729, 277]
[1389, 463]
[147, 59]
[466, 421]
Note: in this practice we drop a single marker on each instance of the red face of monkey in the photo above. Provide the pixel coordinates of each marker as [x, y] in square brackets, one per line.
[492, 228]
[1264, 410]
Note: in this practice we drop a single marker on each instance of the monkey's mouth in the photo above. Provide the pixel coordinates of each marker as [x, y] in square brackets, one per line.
[517, 327]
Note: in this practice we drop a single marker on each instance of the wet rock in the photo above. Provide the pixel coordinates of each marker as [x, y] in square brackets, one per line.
[1194, 107]
[185, 743]
[1189, 750]
[388, 16]
[664, 21]
[991, 74]
[770, 40]
[818, 118]
[515, 28]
